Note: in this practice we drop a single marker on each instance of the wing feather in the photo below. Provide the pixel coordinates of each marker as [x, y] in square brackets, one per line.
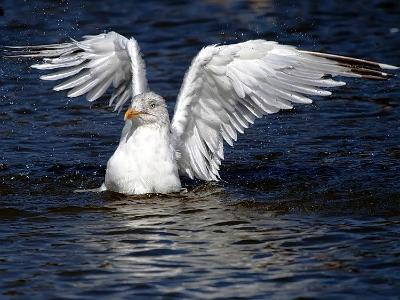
[91, 66]
[227, 87]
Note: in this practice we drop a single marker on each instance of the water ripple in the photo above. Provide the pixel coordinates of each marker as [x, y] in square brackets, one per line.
[309, 204]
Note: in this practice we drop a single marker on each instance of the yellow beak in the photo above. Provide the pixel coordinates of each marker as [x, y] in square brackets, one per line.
[131, 114]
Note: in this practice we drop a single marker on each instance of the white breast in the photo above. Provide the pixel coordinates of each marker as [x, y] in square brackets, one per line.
[144, 162]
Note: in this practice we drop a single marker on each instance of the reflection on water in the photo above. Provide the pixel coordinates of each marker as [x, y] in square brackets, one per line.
[309, 203]
[195, 244]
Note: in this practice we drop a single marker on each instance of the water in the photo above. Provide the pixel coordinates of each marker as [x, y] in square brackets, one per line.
[309, 205]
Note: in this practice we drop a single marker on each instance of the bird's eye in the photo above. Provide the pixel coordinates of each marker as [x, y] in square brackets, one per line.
[152, 105]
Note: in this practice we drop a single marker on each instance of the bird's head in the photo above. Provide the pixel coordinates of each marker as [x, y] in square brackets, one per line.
[147, 108]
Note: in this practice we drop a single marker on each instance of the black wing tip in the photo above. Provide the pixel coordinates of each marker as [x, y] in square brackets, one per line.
[365, 68]
[371, 74]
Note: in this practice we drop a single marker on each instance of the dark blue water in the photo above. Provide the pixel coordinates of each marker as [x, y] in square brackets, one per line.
[309, 205]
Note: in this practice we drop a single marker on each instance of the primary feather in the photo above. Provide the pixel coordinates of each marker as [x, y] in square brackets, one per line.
[92, 66]
[227, 87]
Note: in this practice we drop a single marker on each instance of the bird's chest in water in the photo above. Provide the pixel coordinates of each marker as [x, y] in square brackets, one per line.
[144, 164]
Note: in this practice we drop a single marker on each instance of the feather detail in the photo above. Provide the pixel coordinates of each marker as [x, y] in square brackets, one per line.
[227, 87]
[92, 66]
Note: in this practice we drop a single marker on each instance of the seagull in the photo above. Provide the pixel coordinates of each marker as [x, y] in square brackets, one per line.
[224, 90]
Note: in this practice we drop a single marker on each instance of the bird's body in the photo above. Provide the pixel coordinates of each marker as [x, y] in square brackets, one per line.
[144, 162]
[225, 89]
[145, 159]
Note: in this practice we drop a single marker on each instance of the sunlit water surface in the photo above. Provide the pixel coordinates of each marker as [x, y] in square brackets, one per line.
[310, 199]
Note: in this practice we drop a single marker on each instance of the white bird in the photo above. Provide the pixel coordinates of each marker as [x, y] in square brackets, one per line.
[225, 89]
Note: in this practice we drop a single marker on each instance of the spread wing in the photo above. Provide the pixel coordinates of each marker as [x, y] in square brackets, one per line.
[91, 66]
[227, 87]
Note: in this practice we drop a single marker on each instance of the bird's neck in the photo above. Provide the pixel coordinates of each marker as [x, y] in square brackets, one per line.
[133, 133]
